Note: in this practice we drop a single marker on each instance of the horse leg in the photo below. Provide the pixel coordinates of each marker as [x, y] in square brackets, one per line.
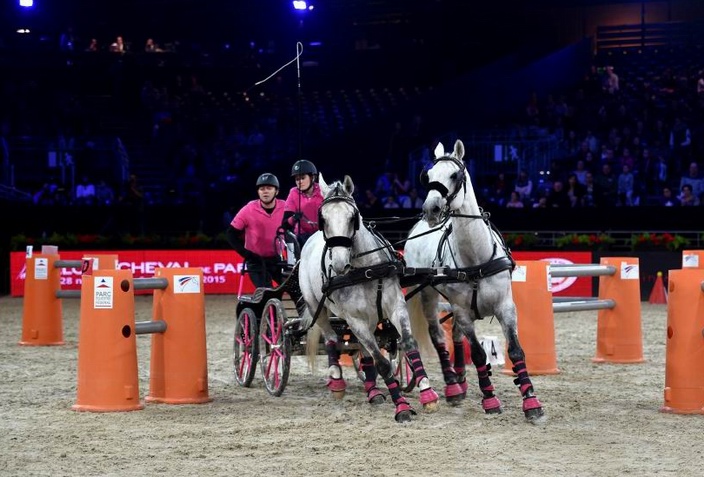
[453, 391]
[374, 395]
[460, 370]
[336, 383]
[532, 408]
[490, 403]
[399, 318]
[404, 411]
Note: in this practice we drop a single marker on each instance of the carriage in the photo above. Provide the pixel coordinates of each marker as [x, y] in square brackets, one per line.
[269, 331]
[460, 256]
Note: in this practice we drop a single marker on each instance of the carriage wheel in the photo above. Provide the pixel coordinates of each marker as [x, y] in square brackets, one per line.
[403, 371]
[274, 347]
[245, 353]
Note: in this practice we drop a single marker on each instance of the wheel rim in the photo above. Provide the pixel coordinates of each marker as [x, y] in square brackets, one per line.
[273, 345]
[245, 351]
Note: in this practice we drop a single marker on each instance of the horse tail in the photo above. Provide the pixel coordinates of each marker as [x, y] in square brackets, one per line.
[419, 326]
[313, 346]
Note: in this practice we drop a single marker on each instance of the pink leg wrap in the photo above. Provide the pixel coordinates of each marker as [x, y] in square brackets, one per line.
[463, 386]
[336, 384]
[372, 391]
[452, 390]
[531, 403]
[428, 395]
[402, 406]
[491, 403]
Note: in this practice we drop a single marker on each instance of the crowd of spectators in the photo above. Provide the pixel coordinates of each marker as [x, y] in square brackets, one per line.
[625, 141]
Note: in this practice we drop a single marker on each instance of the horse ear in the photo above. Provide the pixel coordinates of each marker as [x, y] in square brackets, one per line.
[349, 185]
[459, 149]
[439, 150]
[324, 188]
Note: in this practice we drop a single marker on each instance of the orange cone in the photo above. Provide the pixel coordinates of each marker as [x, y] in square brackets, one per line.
[658, 295]
[532, 294]
[179, 359]
[107, 348]
[42, 312]
[692, 258]
[619, 334]
[684, 370]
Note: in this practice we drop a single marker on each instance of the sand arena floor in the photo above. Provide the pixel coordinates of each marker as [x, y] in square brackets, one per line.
[603, 420]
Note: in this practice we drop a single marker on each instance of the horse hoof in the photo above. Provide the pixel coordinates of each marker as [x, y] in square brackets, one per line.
[377, 400]
[535, 416]
[338, 395]
[455, 400]
[403, 416]
[431, 407]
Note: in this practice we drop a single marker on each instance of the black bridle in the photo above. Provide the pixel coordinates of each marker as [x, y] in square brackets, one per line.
[339, 240]
[460, 180]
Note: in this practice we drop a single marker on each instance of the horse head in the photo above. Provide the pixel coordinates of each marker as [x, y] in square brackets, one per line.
[444, 181]
[339, 220]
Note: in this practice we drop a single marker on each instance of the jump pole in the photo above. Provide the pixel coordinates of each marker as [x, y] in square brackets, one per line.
[684, 368]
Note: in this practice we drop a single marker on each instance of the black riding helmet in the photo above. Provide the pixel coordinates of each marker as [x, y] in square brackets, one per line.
[267, 179]
[303, 167]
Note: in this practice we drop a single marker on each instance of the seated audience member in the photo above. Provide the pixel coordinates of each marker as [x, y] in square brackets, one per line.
[666, 199]
[515, 201]
[557, 197]
[608, 186]
[625, 186]
[371, 203]
[693, 179]
[104, 194]
[687, 198]
[412, 200]
[93, 45]
[580, 172]
[390, 202]
[524, 186]
[575, 190]
[85, 192]
[151, 47]
[591, 194]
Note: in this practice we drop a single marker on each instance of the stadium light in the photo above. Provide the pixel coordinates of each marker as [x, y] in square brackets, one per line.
[27, 3]
[300, 5]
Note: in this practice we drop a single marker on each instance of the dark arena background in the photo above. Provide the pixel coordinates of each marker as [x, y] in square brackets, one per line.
[136, 129]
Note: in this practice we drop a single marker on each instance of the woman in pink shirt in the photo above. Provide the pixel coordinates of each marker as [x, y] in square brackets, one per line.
[252, 233]
[303, 201]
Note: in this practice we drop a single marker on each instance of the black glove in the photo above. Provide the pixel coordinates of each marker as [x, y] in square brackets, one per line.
[251, 256]
[297, 216]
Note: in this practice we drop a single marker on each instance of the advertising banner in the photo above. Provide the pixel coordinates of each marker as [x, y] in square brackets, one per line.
[222, 269]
